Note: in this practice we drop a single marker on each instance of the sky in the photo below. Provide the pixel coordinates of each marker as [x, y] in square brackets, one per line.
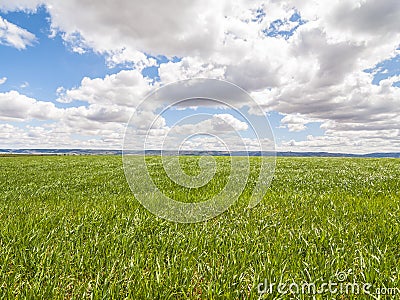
[327, 77]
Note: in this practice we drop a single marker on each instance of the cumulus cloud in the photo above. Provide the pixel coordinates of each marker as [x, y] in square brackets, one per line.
[23, 85]
[20, 5]
[296, 122]
[98, 113]
[15, 36]
[300, 58]
[18, 107]
[190, 67]
[174, 28]
[100, 126]
[56, 136]
[225, 122]
[3, 80]
[127, 88]
[130, 57]
[347, 142]
[216, 124]
[366, 18]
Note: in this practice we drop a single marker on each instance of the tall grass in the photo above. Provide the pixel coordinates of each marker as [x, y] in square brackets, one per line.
[71, 228]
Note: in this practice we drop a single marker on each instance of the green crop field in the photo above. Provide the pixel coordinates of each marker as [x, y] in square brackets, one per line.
[71, 228]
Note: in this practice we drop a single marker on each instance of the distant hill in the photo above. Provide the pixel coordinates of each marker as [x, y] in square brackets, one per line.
[214, 153]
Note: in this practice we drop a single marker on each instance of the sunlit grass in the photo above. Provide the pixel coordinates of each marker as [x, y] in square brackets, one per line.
[71, 228]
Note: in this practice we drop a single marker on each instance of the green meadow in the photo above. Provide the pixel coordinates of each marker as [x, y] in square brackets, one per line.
[70, 228]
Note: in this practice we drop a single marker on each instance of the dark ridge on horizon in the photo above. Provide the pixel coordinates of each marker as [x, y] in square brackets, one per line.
[213, 153]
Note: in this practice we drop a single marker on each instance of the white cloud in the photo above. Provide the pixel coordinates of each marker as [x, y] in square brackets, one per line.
[98, 113]
[100, 125]
[3, 80]
[230, 143]
[296, 122]
[190, 67]
[218, 123]
[25, 84]
[126, 88]
[173, 28]
[316, 74]
[20, 5]
[222, 122]
[347, 142]
[130, 57]
[14, 106]
[15, 36]
[55, 136]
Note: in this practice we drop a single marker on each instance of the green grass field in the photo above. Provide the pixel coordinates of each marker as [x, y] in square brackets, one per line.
[71, 228]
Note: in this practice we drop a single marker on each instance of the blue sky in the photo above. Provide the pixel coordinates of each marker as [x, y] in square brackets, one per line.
[58, 65]
[311, 103]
